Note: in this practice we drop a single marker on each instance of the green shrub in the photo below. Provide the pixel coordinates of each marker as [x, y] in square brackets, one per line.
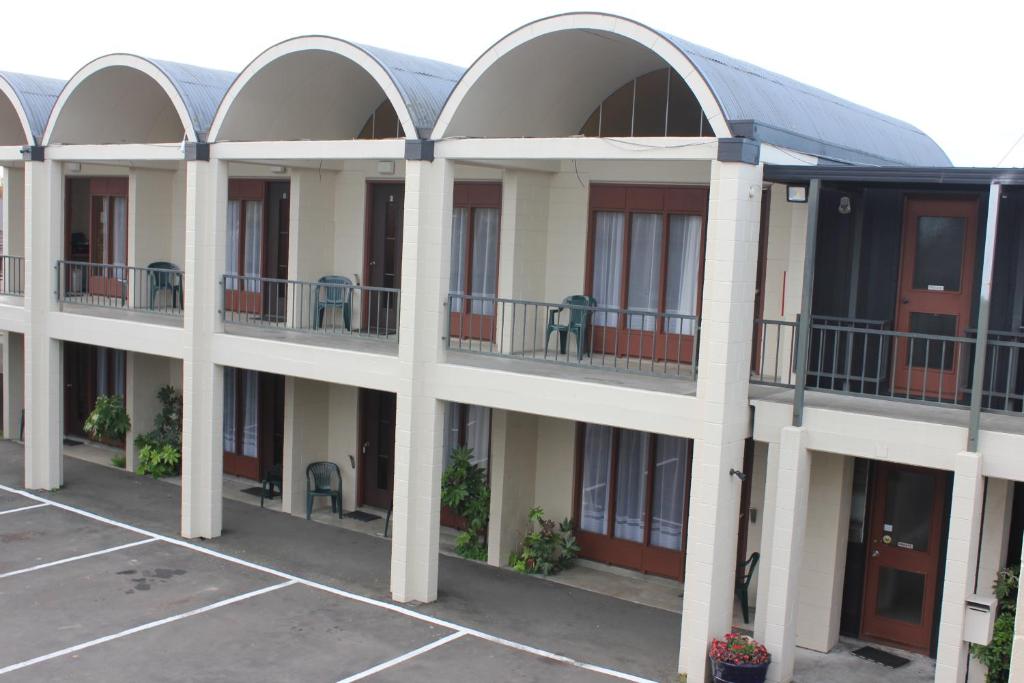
[118, 461]
[996, 655]
[548, 549]
[109, 420]
[464, 489]
[167, 423]
[159, 461]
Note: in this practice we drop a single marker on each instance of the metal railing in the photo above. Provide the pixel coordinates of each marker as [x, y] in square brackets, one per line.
[1003, 390]
[12, 275]
[326, 308]
[626, 340]
[774, 353]
[149, 290]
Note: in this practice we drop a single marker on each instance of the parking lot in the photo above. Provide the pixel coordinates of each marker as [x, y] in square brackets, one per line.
[85, 597]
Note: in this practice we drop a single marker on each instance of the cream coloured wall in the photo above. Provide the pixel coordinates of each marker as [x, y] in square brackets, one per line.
[556, 461]
[145, 374]
[13, 218]
[343, 438]
[513, 460]
[151, 226]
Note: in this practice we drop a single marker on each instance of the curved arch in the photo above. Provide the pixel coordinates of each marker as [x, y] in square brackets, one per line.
[153, 102]
[612, 49]
[13, 116]
[331, 88]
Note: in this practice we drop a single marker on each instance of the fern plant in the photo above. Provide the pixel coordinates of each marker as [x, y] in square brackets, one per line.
[159, 461]
[996, 655]
[464, 489]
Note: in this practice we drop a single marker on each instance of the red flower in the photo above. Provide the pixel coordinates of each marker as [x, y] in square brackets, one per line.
[736, 648]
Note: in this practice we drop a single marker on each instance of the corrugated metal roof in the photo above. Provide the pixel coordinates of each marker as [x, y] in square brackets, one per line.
[200, 89]
[423, 83]
[775, 108]
[37, 96]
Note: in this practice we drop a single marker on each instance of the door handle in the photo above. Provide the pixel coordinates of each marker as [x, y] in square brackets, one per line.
[905, 301]
[365, 446]
[874, 553]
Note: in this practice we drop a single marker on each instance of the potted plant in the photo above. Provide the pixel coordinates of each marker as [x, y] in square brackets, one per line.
[108, 422]
[737, 658]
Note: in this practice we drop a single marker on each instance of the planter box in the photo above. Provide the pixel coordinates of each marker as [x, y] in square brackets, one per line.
[723, 672]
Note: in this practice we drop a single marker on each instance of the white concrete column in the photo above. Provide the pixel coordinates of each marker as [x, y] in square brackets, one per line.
[306, 423]
[203, 386]
[961, 553]
[995, 535]
[1017, 655]
[14, 383]
[764, 567]
[787, 553]
[513, 468]
[420, 416]
[723, 379]
[44, 371]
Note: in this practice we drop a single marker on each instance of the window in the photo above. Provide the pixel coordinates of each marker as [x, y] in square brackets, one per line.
[657, 104]
[110, 372]
[244, 249]
[470, 426]
[476, 216]
[382, 124]
[241, 397]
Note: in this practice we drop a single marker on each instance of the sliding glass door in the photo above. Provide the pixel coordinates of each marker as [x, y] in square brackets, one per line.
[476, 217]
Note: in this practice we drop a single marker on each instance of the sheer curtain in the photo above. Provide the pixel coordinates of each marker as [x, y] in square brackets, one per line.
[485, 259]
[597, 470]
[671, 460]
[102, 373]
[118, 360]
[250, 396]
[477, 435]
[119, 209]
[609, 232]
[460, 236]
[253, 244]
[645, 250]
[234, 235]
[229, 409]
[683, 268]
[631, 485]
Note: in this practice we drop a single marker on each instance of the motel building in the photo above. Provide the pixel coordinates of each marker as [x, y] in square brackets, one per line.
[796, 328]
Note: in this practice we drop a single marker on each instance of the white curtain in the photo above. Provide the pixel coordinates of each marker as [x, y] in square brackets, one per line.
[250, 397]
[229, 409]
[683, 268]
[119, 209]
[253, 255]
[631, 485]
[646, 235]
[118, 359]
[110, 368]
[485, 259]
[609, 230]
[460, 237]
[102, 373]
[671, 459]
[597, 466]
[233, 237]
[477, 435]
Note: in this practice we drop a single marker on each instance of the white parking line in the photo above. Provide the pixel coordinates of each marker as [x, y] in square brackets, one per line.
[78, 557]
[336, 591]
[404, 658]
[143, 627]
[27, 507]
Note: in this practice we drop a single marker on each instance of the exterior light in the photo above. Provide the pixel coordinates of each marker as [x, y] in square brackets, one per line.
[796, 193]
[386, 167]
[279, 170]
[73, 167]
[844, 205]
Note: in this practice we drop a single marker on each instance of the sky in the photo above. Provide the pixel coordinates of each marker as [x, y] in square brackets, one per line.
[953, 69]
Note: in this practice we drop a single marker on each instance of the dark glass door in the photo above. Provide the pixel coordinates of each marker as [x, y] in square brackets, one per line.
[383, 266]
[377, 452]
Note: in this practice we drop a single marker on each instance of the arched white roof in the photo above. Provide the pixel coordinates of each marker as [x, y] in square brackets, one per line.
[325, 88]
[123, 98]
[29, 101]
[544, 79]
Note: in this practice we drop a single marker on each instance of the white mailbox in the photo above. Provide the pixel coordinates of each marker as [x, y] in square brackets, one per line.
[979, 619]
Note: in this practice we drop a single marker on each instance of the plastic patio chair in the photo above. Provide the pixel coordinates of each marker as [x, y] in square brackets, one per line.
[271, 478]
[165, 282]
[581, 308]
[337, 295]
[745, 573]
[320, 478]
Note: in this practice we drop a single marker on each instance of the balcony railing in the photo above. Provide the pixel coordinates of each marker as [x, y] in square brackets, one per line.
[149, 290]
[12, 275]
[1004, 373]
[322, 308]
[575, 334]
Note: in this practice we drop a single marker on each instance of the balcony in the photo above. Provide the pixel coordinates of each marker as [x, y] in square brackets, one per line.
[575, 335]
[12, 275]
[155, 294]
[329, 312]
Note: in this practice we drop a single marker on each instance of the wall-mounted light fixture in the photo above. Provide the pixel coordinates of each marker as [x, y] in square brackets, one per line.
[386, 167]
[796, 194]
[278, 170]
[73, 167]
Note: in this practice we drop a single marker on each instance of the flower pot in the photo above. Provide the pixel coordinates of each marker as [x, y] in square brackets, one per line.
[724, 672]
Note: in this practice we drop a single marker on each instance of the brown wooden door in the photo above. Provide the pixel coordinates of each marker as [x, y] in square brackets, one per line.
[108, 236]
[383, 267]
[243, 437]
[79, 386]
[377, 452]
[476, 229]
[904, 535]
[935, 291]
[246, 246]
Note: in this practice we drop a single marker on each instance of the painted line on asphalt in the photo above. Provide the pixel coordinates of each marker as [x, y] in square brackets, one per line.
[78, 557]
[404, 658]
[337, 591]
[27, 507]
[143, 627]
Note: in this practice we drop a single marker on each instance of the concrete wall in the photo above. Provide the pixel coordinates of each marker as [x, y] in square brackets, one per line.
[145, 374]
[556, 458]
[513, 459]
[13, 219]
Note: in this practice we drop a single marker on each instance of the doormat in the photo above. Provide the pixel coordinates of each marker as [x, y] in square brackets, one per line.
[72, 442]
[886, 659]
[361, 516]
[254, 490]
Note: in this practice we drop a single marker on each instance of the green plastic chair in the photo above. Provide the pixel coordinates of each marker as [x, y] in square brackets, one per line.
[745, 572]
[161, 281]
[320, 477]
[337, 295]
[581, 308]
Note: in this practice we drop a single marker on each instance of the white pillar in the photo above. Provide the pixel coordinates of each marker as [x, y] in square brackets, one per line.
[723, 379]
[44, 376]
[995, 535]
[790, 522]
[1017, 653]
[513, 469]
[961, 553]
[420, 416]
[764, 567]
[203, 381]
[14, 384]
